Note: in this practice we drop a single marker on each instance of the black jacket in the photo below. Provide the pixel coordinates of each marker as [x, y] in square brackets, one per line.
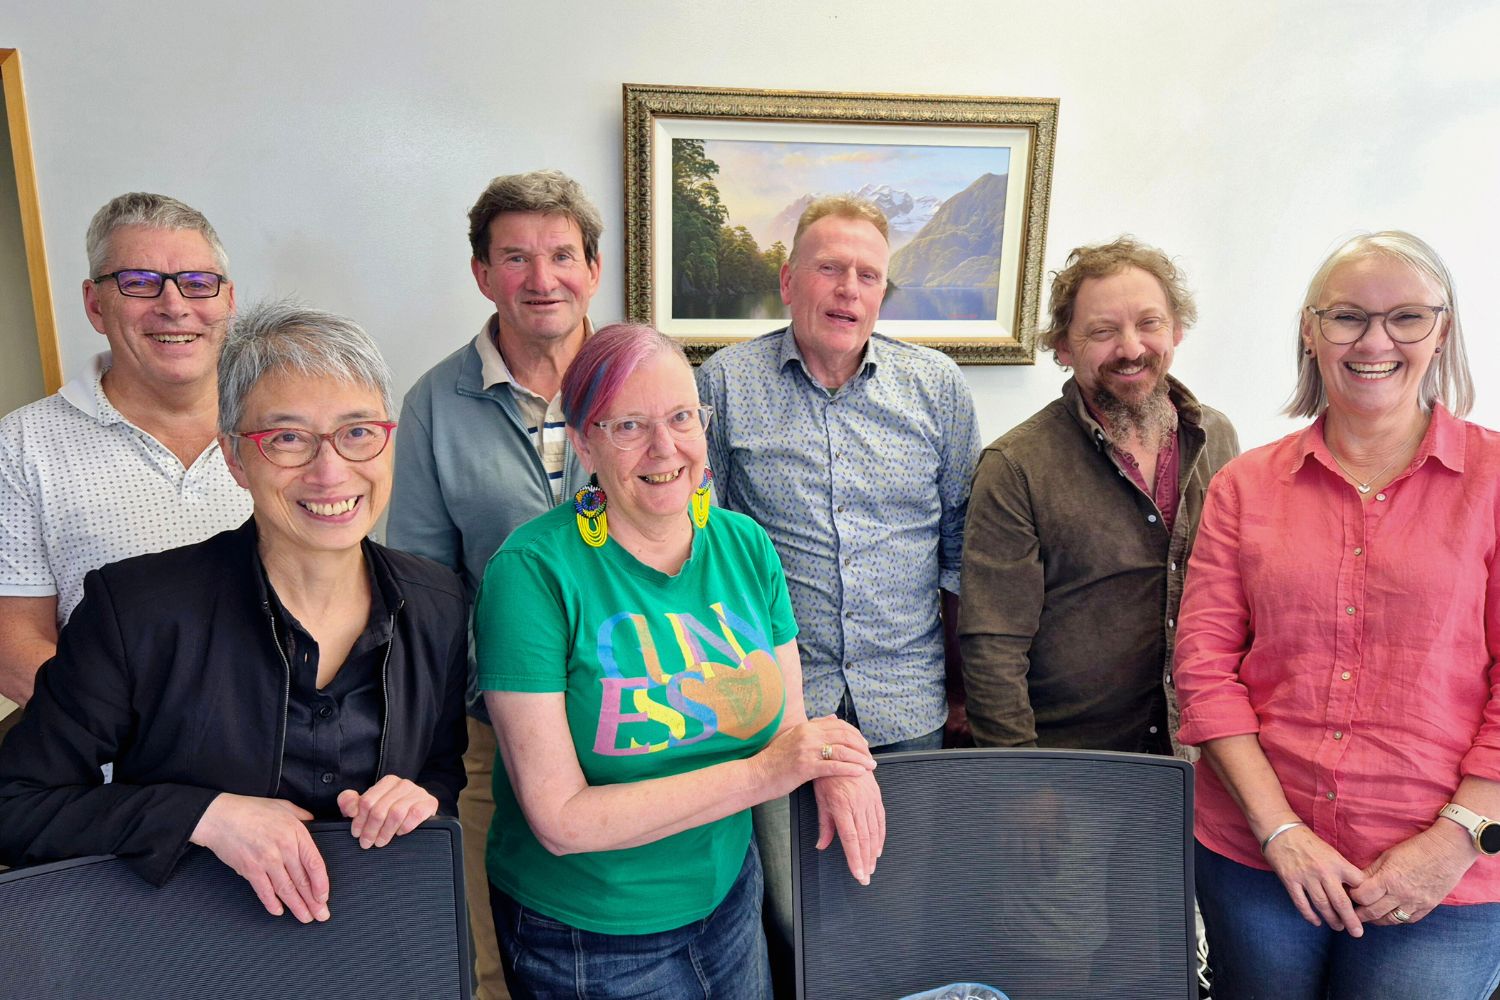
[169, 669]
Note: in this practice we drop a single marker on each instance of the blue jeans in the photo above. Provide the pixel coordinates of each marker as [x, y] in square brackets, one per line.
[1259, 946]
[931, 741]
[720, 957]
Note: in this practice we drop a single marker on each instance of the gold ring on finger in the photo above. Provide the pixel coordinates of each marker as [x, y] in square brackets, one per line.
[827, 752]
[1400, 915]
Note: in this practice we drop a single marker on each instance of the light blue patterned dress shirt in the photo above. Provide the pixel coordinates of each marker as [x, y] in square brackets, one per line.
[864, 492]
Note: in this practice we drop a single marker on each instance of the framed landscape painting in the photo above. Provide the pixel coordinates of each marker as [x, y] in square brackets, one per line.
[715, 181]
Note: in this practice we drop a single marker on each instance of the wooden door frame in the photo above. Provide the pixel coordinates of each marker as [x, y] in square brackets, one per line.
[31, 220]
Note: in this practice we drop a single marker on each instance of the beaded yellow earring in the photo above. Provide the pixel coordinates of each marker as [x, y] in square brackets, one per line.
[700, 498]
[589, 504]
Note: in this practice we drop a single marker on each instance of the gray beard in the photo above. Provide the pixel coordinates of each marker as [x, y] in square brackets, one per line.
[1150, 421]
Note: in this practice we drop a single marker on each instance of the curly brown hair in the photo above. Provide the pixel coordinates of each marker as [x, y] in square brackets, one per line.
[1101, 260]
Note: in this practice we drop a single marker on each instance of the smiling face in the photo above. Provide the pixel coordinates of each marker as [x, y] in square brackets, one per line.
[651, 484]
[331, 503]
[833, 289]
[1122, 337]
[1375, 376]
[167, 341]
[537, 276]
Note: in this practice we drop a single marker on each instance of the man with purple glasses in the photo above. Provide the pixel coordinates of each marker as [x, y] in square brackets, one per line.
[123, 459]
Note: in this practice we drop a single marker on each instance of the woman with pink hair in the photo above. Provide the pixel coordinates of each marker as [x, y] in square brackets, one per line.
[639, 657]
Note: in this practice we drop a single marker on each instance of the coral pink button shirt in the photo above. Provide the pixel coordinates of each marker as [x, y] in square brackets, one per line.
[1358, 640]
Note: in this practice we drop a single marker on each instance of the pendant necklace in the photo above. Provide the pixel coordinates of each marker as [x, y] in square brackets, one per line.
[1364, 488]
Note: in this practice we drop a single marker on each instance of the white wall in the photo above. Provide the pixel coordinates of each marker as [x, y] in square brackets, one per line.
[342, 142]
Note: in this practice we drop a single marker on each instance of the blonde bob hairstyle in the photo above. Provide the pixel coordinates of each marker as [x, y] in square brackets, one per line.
[1447, 380]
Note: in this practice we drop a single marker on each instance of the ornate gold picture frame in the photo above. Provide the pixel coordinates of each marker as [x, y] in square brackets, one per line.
[715, 180]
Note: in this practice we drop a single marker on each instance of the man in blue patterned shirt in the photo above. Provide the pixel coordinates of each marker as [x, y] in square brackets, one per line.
[854, 451]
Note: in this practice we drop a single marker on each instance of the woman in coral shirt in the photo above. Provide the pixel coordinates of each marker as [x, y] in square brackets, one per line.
[1337, 660]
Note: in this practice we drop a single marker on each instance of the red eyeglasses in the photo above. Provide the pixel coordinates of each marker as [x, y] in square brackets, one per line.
[293, 447]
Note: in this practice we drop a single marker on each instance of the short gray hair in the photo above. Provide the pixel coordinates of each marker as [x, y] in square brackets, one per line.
[152, 211]
[1447, 380]
[548, 192]
[285, 337]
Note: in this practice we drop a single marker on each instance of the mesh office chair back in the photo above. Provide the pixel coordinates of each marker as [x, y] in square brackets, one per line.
[92, 928]
[1047, 874]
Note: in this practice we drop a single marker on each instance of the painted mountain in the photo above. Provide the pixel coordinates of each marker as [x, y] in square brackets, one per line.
[906, 213]
[959, 247]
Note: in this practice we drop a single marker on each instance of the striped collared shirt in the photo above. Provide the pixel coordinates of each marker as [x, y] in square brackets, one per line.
[544, 417]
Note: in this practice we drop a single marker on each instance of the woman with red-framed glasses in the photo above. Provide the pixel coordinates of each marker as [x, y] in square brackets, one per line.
[286, 671]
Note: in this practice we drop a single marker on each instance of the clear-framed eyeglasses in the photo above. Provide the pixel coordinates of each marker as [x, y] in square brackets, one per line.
[633, 430]
[294, 447]
[140, 284]
[1404, 324]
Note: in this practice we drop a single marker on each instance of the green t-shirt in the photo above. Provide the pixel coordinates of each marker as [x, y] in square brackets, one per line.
[662, 674]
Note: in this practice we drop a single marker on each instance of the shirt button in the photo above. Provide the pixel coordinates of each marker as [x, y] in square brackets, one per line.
[1338, 734]
[1359, 550]
[1349, 610]
[1380, 496]
[1171, 623]
[1120, 471]
[1153, 729]
[1151, 518]
[1330, 795]
[1169, 678]
[840, 508]
[1172, 567]
[324, 712]
[1344, 676]
[848, 614]
[327, 777]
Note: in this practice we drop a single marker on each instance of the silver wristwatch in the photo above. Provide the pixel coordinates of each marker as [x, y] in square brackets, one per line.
[1486, 832]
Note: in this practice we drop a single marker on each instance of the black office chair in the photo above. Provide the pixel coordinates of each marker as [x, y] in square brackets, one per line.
[92, 928]
[1047, 874]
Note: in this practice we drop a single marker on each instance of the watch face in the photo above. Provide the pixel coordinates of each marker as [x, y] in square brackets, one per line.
[1489, 838]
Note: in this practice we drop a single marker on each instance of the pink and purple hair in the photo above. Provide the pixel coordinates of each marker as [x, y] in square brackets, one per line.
[603, 366]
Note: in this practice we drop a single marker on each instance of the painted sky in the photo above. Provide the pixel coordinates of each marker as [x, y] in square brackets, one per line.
[757, 180]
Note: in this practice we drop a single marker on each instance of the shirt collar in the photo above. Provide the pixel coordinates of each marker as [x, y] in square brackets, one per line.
[874, 354]
[385, 591]
[86, 391]
[1444, 441]
[493, 370]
